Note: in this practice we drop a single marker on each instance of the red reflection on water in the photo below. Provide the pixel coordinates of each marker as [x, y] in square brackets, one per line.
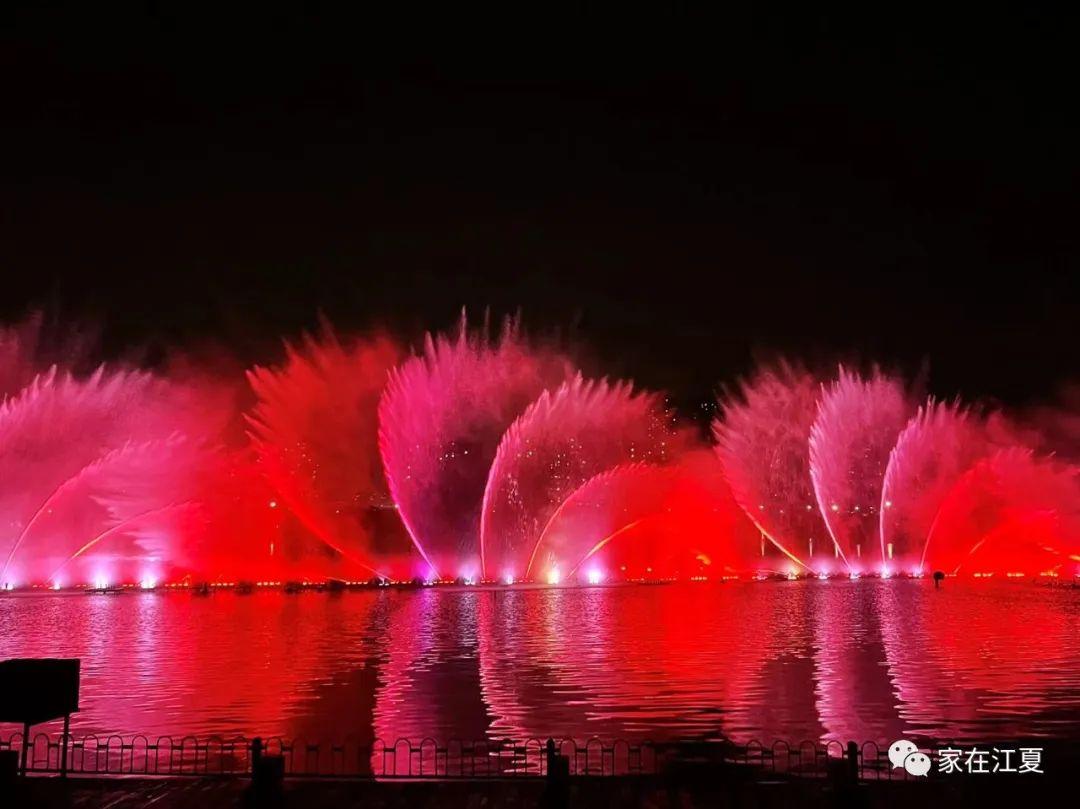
[854, 697]
[865, 660]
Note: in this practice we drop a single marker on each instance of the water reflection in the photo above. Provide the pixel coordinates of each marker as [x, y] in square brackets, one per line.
[855, 699]
[984, 660]
[429, 683]
[866, 660]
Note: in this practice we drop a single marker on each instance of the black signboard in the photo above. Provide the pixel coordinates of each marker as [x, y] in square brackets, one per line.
[33, 691]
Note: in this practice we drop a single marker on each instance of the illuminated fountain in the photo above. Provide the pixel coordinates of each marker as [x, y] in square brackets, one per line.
[440, 421]
[762, 436]
[857, 423]
[561, 441]
[488, 459]
[315, 432]
[647, 521]
[95, 464]
[938, 444]
[1011, 513]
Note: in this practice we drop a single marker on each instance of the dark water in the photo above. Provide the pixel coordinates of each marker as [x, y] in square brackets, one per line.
[865, 660]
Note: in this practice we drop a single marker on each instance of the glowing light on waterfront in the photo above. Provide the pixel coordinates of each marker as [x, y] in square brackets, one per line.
[490, 457]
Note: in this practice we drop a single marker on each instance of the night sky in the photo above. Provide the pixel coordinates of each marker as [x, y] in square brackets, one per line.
[683, 194]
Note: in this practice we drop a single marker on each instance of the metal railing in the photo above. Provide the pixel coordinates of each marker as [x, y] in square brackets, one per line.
[453, 759]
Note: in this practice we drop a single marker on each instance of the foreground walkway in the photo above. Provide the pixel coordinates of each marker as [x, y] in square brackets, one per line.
[614, 793]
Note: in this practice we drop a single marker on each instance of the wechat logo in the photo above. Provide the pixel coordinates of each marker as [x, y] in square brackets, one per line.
[903, 753]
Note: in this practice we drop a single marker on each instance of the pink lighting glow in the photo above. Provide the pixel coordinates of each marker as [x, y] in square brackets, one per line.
[564, 438]
[490, 459]
[855, 428]
[441, 417]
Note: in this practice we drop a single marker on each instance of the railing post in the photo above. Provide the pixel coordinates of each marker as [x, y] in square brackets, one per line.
[25, 748]
[853, 762]
[267, 771]
[64, 746]
[557, 786]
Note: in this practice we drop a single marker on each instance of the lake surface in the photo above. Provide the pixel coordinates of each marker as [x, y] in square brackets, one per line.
[807, 660]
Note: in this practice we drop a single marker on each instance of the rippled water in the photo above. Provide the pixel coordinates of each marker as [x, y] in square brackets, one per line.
[865, 660]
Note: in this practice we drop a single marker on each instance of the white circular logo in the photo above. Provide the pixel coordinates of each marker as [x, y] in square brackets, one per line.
[900, 750]
[917, 763]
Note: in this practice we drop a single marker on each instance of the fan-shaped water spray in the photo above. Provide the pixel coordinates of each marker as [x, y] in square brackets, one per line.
[315, 432]
[939, 443]
[857, 423]
[498, 465]
[1012, 512]
[440, 421]
[762, 436]
[648, 521]
[600, 511]
[563, 439]
[72, 448]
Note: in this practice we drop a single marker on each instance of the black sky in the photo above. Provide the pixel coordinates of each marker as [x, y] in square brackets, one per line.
[685, 192]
